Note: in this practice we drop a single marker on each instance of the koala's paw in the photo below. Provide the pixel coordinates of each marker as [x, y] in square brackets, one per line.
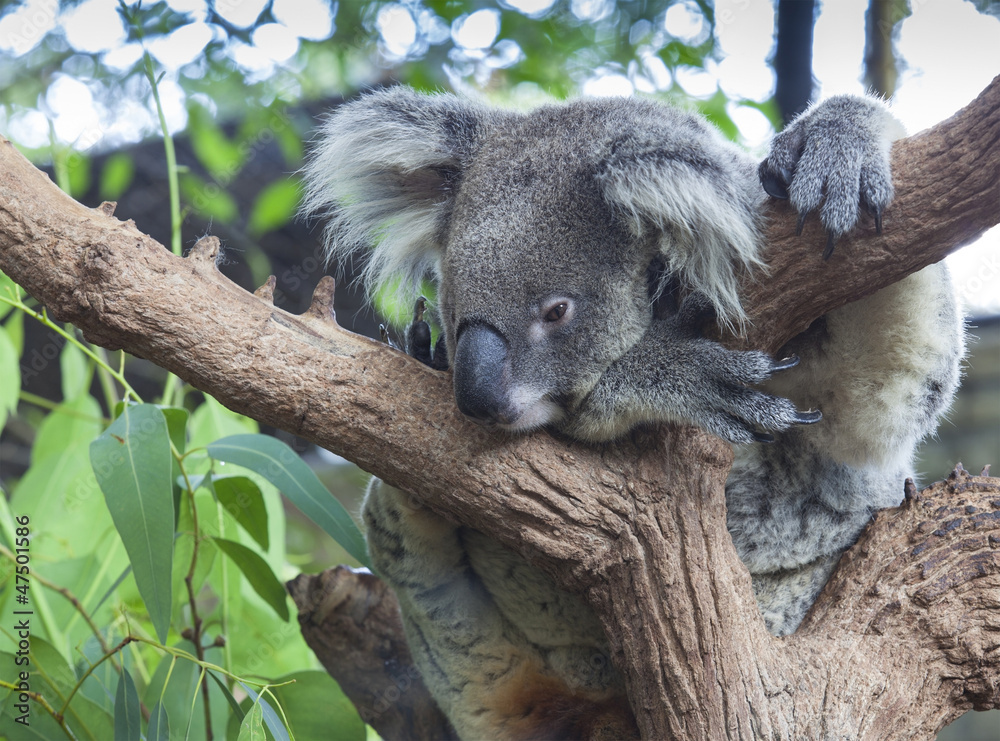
[417, 340]
[837, 154]
[740, 414]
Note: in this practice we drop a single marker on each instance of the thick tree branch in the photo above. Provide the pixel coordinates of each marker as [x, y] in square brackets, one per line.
[618, 524]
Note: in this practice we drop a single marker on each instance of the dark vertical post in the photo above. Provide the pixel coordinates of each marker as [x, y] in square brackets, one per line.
[793, 56]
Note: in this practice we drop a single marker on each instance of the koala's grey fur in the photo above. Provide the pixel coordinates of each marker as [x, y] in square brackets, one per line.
[576, 248]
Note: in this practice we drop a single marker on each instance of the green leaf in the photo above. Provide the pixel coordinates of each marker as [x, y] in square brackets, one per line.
[113, 588]
[132, 463]
[275, 206]
[274, 724]
[258, 573]
[280, 465]
[312, 689]
[184, 548]
[210, 421]
[10, 377]
[77, 167]
[73, 422]
[128, 721]
[396, 306]
[208, 199]
[177, 684]
[241, 498]
[237, 710]
[159, 724]
[52, 677]
[7, 290]
[74, 371]
[15, 328]
[252, 727]
[221, 158]
[116, 176]
[177, 419]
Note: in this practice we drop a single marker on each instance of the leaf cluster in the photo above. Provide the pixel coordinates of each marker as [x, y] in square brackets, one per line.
[155, 541]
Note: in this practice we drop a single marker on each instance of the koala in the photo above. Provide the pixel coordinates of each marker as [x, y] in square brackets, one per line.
[577, 249]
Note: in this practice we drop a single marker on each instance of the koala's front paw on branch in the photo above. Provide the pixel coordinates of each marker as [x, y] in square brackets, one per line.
[837, 154]
[670, 377]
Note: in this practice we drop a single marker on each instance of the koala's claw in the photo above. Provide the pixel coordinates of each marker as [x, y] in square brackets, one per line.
[876, 212]
[763, 437]
[831, 242]
[775, 180]
[800, 224]
[418, 340]
[785, 363]
[383, 333]
[808, 417]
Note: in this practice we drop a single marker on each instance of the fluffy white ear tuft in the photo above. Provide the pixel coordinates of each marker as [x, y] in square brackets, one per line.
[381, 174]
[701, 195]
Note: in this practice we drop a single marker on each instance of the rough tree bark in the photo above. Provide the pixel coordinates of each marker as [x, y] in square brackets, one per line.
[902, 640]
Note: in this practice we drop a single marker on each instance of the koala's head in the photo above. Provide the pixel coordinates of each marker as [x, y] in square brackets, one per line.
[549, 233]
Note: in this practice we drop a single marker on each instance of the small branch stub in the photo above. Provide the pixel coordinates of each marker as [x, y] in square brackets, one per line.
[321, 306]
[266, 292]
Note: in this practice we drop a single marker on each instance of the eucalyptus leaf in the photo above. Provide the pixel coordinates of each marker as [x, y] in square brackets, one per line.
[258, 573]
[280, 465]
[252, 727]
[10, 377]
[159, 724]
[128, 720]
[242, 498]
[132, 463]
[274, 724]
[75, 371]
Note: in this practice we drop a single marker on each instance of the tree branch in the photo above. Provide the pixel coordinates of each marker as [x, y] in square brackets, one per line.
[351, 621]
[619, 523]
[947, 182]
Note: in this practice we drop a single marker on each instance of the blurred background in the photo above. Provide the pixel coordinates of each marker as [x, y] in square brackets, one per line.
[242, 84]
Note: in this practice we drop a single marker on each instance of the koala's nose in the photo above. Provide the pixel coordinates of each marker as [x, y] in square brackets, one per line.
[479, 362]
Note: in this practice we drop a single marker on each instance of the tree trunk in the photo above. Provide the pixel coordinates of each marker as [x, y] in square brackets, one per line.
[901, 641]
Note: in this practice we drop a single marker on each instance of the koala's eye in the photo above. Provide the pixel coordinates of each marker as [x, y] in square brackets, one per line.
[556, 313]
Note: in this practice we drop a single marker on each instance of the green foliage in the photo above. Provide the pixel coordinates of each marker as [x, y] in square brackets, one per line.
[274, 727]
[52, 677]
[208, 199]
[220, 156]
[242, 498]
[152, 529]
[299, 692]
[252, 727]
[128, 720]
[132, 462]
[274, 207]
[159, 724]
[258, 573]
[116, 176]
[10, 376]
[279, 464]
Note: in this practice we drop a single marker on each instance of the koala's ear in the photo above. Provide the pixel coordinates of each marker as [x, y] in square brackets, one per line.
[382, 172]
[699, 193]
